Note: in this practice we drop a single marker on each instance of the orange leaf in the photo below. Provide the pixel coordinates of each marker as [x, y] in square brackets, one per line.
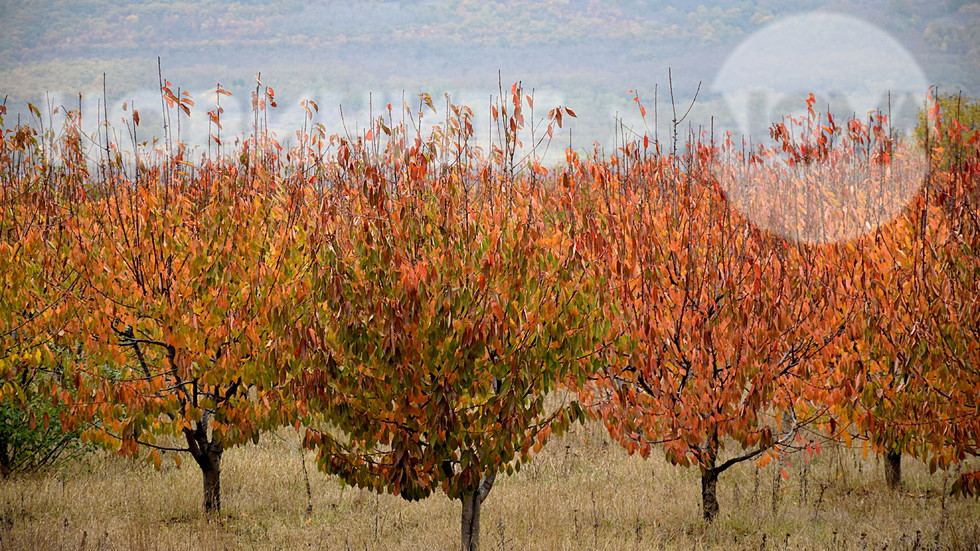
[497, 310]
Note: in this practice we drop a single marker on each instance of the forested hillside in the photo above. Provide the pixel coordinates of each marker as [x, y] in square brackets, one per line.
[583, 53]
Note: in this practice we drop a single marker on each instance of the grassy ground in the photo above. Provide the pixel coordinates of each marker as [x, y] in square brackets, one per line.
[581, 493]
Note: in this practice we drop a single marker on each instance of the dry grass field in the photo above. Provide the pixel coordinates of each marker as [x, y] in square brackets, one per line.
[582, 492]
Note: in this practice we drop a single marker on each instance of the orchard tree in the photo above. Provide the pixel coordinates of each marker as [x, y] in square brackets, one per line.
[446, 307]
[182, 281]
[958, 335]
[723, 323]
[182, 270]
[888, 361]
[908, 356]
[915, 342]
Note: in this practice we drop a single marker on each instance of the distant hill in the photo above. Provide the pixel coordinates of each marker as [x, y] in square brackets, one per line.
[586, 53]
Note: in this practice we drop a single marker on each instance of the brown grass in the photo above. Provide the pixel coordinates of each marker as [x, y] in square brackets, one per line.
[581, 493]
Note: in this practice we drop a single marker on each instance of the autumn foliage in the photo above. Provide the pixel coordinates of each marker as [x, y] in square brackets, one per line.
[429, 310]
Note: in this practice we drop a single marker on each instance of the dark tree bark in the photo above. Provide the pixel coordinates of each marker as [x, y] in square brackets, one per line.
[212, 484]
[470, 519]
[207, 453]
[709, 478]
[709, 493]
[5, 461]
[893, 469]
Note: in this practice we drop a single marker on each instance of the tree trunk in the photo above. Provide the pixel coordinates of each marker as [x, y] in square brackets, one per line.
[207, 454]
[709, 478]
[709, 493]
[470, 519]
[212, 486]
[893, 469]
[470, 526]
[5, 460]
